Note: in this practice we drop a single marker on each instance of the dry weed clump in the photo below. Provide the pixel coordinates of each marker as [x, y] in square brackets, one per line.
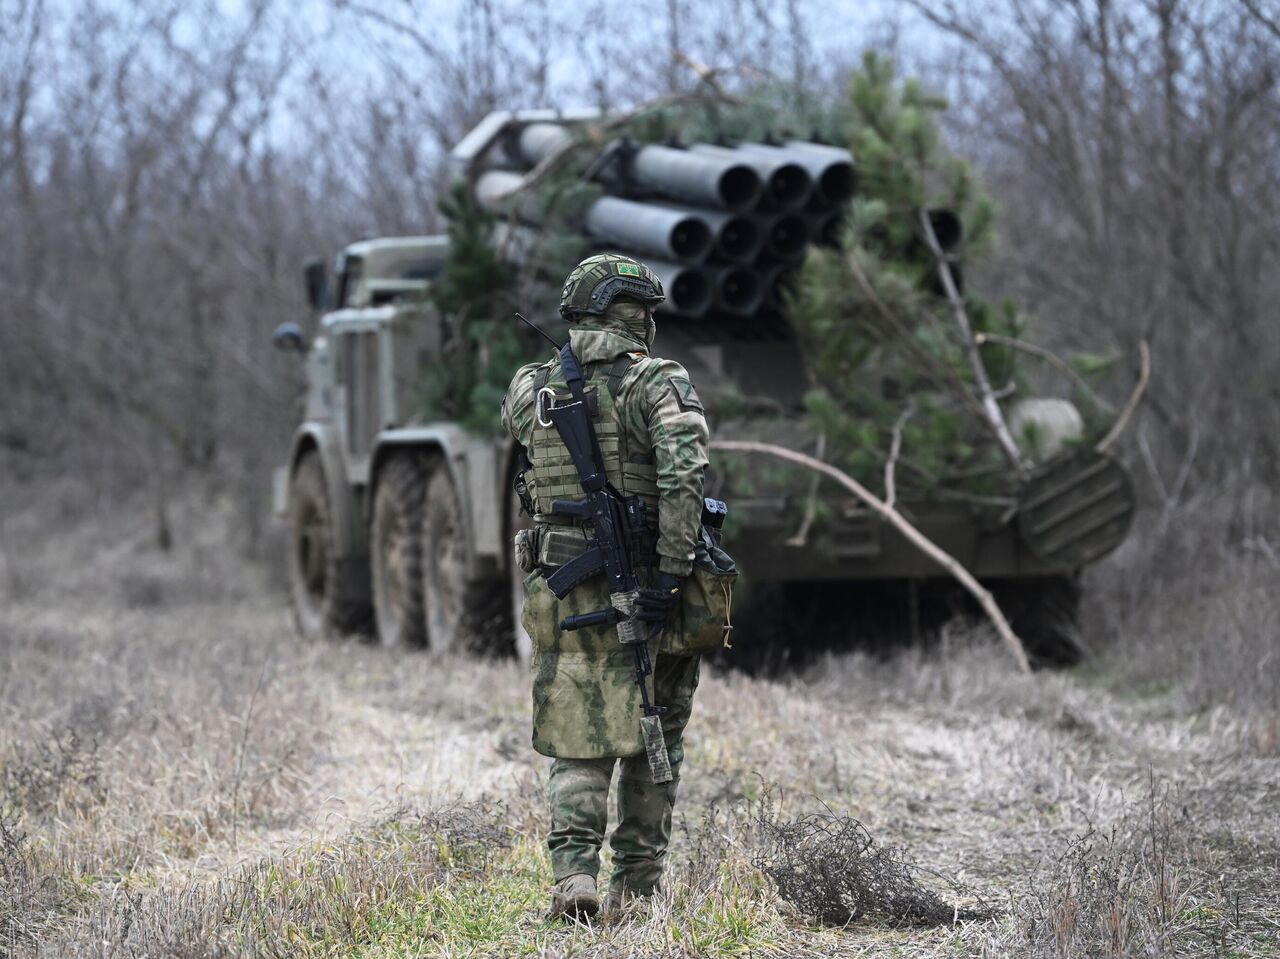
[1118, 891]
[56, 771]
[830, 868]
[137, 737]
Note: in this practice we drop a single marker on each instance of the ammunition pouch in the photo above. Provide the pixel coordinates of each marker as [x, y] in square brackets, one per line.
[557, 543]
[526, 550]
[704, 621]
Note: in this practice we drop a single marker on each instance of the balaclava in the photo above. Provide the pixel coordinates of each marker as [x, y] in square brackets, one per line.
[637, 318]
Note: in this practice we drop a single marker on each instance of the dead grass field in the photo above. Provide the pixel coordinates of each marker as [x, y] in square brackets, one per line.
[181, 776]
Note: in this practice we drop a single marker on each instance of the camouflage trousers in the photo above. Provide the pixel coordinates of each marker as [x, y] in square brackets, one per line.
[579, 793]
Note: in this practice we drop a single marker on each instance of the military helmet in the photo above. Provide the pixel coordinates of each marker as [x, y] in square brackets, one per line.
[598, 280]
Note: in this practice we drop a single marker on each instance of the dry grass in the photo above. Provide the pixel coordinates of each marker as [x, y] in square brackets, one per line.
[181, 776]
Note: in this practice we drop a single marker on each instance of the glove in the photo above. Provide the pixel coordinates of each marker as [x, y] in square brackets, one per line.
[654, 605]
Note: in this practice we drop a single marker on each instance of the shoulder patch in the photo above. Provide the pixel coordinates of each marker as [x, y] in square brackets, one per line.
[686, 394]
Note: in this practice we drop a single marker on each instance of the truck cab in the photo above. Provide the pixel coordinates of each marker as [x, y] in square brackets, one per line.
[392, 525]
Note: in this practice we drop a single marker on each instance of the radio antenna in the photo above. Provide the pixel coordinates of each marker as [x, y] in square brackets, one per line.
[537, 329]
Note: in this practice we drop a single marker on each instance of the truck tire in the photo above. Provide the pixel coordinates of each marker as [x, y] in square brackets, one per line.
[460, 610]
[324, 602]
[395, 551]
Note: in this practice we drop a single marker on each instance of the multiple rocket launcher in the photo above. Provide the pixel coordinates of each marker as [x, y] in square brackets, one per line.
[722, 226]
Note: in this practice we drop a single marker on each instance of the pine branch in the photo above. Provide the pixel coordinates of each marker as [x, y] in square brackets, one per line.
[990, 408]
[903, 339]
[1053, 359]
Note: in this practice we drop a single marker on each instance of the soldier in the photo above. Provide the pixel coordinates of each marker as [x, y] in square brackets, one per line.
[653, 438]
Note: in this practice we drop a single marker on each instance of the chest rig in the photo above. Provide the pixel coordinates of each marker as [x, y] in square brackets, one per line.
[551, 474]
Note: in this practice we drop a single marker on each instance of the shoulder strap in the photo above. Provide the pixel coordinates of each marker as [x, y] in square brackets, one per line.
[617, 372]
[572, 371]
[540, 378]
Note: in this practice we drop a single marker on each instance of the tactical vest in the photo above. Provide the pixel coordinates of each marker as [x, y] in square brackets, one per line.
[552, 475]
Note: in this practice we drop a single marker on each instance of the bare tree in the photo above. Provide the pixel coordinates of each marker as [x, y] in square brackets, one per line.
[1134, 147]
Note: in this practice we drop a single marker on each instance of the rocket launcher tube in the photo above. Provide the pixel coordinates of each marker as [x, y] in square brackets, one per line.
[735, 236]
[830, 167]
[537, 141]
[648, 228]
[495, 191]
[786, 183]
[689, 288]
[825, 227]
[785, 235]
[722, 182]
[738, 290]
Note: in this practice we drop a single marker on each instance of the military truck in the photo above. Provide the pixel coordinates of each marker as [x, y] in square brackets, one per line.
[401, 523]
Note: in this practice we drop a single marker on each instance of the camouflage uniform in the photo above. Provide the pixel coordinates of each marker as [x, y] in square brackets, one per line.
[586, 705]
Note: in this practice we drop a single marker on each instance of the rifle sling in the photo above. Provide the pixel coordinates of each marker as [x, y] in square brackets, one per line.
[572, 370]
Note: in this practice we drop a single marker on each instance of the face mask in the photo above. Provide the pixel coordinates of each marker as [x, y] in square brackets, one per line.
[643, 328]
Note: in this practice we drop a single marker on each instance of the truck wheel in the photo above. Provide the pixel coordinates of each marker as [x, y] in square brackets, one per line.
[324, 602]
[458, 608]
[395, 551]
[522, 644]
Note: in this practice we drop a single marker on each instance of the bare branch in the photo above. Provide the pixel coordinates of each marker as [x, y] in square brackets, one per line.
[895, 447]
[1144, 375]
[900, 523]
[1050, 357]
[990, 408]
[801, 536]
[1267, 18]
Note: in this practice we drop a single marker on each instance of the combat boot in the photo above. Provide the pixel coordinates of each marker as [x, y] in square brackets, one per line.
[619, 898]
[614, 900]
[574, 897]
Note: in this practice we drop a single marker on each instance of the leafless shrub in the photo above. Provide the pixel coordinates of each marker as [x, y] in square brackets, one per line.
[1116, 892]
[45, 773]
[1190, 605]
[467, 837]
[831, 868]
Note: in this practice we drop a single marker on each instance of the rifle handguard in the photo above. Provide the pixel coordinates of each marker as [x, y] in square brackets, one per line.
[601, 617]
[578, 509]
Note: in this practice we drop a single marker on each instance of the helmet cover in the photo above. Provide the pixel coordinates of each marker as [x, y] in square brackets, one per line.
[598, 280]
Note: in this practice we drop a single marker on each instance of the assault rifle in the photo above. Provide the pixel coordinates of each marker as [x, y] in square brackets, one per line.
[617, 524]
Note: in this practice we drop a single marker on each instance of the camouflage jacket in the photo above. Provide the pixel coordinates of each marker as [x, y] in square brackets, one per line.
[660, 411]
[585, 702]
